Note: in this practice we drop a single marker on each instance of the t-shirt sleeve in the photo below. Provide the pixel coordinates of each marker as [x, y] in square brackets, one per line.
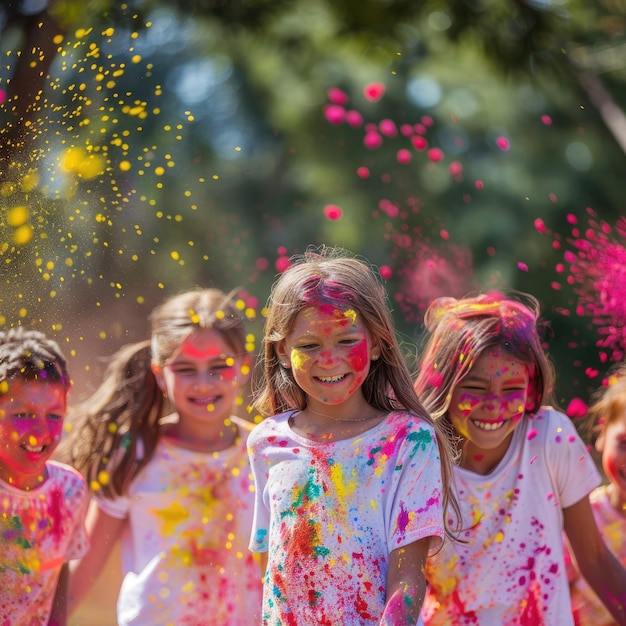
[574, 472]
[117, 507]
[261, 519]
[417, 506]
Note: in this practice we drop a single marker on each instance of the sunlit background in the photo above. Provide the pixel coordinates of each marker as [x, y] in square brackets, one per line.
[148, 147]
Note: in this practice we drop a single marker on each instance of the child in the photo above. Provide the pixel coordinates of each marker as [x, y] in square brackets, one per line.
[42, 503]
[608, 502]
[523, 474]
[351, 476]
[178, 489]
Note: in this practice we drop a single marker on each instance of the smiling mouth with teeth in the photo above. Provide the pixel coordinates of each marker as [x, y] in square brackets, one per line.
[331, 379]
[488, 425]
[30, 448]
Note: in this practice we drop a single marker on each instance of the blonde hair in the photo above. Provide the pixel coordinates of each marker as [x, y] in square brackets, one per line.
[608, 403]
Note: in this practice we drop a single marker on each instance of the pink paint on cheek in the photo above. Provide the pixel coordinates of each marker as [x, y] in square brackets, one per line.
[510, 407]
[228, 374]
[57, 432]
[467, 403]
[610, 465]
[358, 357]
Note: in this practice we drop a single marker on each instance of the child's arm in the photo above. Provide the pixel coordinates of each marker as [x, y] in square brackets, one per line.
[103, 531]
[406, 584]
[596, 562]
[263, 560]
[58, 615]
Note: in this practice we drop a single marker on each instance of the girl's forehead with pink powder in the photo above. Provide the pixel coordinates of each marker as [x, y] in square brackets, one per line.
[324, 317]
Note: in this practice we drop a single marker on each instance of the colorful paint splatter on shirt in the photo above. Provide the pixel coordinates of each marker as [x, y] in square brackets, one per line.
[511, 571]
[330, 514]
[40, 531]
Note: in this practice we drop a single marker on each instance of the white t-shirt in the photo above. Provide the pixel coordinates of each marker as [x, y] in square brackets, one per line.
[511, 571]
[587, 607]
[40, 531]
[330, 514]
[185, 554]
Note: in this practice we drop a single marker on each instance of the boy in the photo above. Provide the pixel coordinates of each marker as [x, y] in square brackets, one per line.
[42, 502]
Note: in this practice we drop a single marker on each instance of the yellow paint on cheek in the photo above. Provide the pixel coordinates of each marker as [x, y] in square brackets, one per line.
[461, 428]
[298, 359]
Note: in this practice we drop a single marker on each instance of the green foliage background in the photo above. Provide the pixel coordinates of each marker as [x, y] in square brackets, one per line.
[228, 98]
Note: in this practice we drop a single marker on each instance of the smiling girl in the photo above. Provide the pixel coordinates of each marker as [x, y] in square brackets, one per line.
[523, 474]
[351, 474]
[176, 488]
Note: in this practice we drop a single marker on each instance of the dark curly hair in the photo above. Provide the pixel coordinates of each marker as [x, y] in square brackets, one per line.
[30, 355]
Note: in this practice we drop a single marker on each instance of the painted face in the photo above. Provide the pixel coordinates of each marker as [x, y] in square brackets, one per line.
[489, 403]
[202, 378]
[31, 426]
[329, 351]
[612, 445]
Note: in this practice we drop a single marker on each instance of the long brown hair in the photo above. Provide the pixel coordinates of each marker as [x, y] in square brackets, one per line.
[115, 432]
[334, 276]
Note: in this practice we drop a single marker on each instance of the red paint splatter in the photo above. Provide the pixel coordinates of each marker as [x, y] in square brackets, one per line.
[455, 168]
[419, 143]
[428, 272]
[262, 264]
[335, 114]
[337, 96]
[354, 118]
[385, 272]
[372, 140]
[403, 156]
[503, 143]
[374, 91]
[576, 409]
[595, 264]
[388, 128]
[282, 263]
[333, 212]
[435, 155]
